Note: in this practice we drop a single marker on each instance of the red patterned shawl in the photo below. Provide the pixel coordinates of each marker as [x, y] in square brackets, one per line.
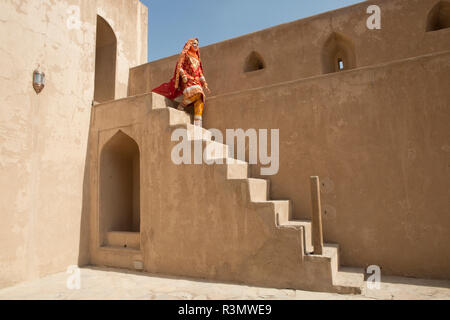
[171, 89]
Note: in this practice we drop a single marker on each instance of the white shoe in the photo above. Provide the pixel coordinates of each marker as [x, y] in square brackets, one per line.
[198, 121]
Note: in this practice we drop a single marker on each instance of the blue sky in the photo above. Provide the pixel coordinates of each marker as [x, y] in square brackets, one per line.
[172, 22]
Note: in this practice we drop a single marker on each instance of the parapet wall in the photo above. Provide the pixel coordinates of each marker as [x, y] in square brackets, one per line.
[378, 137]
[301, 49]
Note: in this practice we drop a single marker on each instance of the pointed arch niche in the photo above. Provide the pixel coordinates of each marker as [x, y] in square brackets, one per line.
[439, 17]
[254, 62]
[338, 54]
[105, 62]
[119, 201]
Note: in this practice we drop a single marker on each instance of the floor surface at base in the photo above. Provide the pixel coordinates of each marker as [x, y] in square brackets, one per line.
[113, 284]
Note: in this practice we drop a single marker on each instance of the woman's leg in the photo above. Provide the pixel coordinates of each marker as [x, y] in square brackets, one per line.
[198, 110]
[199, 105]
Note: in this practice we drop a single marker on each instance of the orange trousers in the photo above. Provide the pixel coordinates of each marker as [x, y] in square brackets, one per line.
[198, 104]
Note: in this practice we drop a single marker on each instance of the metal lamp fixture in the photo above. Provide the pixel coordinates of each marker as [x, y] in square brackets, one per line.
[38, 80]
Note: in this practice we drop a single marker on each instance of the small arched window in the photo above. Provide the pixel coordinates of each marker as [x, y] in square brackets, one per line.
[439, 16]
[338, 54]
[254, 62]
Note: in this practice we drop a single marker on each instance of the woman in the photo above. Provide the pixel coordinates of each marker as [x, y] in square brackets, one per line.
[188, 81]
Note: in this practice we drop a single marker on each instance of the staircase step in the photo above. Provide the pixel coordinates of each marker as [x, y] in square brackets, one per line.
[282, 208]
[194, 132]
[122, 250]
[121, 239]
[161, 102]
[259, 189]
[236, 169]
[330, 250]
[331, 253]
[215, 150]
[201, 139]
[177, 117]
[349, 280]
[307, 226]
[119, 257]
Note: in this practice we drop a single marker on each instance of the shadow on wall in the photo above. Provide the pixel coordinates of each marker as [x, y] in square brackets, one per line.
[83, 251]
[439, 17]
[254, 62]
[105, 62]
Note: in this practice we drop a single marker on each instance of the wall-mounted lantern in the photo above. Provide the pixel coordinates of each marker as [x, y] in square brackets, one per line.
[38, 80]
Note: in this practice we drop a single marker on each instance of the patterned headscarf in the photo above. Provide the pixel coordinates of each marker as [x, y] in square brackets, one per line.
[182, 58]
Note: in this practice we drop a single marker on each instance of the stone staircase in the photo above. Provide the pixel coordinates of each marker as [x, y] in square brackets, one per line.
[283, 256]
[344, 280]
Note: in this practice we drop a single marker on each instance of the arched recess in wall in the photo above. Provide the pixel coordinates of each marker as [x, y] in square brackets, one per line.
[338, 54]
[439, 17]
[254, 62]
[119, 201]
[105, 62]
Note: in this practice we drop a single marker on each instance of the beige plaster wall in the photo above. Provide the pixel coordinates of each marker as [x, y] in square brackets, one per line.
[43, 138]
[294, 50]
[379, 138]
